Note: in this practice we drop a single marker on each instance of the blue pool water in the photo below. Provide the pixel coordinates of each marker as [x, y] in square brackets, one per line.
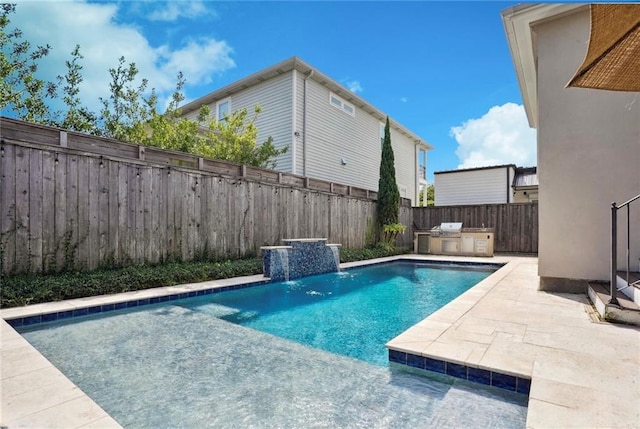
[181, 364]
[352, 313]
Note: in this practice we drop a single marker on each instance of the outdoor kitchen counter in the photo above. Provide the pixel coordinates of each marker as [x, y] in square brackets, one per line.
[467, 241]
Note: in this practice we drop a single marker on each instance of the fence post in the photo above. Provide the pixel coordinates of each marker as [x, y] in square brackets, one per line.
[63, 139]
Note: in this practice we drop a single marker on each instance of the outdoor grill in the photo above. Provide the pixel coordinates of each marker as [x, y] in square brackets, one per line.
[449, 238]
[447, 229]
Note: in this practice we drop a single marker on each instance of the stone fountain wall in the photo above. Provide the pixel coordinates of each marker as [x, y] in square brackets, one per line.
[299, 258]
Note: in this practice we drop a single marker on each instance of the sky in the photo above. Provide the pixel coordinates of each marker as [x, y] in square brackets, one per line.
[441, 69]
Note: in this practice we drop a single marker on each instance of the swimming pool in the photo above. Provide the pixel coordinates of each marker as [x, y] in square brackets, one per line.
[352, 313]
[178, 364]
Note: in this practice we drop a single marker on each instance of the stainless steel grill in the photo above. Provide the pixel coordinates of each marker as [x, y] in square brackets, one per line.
[447, 229]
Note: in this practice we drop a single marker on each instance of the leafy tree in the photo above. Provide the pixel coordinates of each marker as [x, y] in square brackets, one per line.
[77, 117]
[388, 194]
[427, 196]
[20, 90]
[126, 111]
[234, 138]
[167, 130]
[130, 113]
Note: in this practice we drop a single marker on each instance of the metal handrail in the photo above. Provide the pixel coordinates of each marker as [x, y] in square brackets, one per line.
[614, 246]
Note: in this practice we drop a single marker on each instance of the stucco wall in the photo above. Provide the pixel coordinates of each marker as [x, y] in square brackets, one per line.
[588, 156]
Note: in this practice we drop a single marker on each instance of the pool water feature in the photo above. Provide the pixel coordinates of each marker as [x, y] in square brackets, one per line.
[300, 257]
[177, 364]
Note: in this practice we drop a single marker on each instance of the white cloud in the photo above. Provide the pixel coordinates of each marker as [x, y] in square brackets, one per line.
[198, 60]
[103, 39]
[171, 11]
[500, 136]
[354, 86]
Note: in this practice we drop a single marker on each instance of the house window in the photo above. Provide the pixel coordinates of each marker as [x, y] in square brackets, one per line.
[339, 103]
[223, 108]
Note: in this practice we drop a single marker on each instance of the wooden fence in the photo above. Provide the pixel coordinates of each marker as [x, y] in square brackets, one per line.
[71, 200]
[516, 225]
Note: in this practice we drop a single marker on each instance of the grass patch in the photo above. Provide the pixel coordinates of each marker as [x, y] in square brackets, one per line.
[21, 290]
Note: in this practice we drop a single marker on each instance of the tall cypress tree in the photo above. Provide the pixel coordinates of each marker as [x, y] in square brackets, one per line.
[388, 194]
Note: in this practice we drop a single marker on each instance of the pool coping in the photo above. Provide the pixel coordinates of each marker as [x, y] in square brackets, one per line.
[405, 350]
[559, 342]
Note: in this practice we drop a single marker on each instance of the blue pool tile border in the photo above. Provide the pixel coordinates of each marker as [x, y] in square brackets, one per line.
[464, 372]
[453, 264]
[97, 309]
[433, 262]
[19, 322]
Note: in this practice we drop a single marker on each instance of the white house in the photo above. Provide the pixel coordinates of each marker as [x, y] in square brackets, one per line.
[588, 146]
[332, 134]
[498, 184]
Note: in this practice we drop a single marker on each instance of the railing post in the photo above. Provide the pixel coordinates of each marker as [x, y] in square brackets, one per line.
[614, 254]
[628, 241]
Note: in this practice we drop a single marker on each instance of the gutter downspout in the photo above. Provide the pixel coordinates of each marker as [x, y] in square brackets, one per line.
[508, 190]
[304, 125]
[508, 184]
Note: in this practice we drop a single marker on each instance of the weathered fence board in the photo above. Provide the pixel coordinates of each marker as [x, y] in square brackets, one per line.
[48, 210]
[516, 225]
[62, 208]
[81, 207]
[22, 235]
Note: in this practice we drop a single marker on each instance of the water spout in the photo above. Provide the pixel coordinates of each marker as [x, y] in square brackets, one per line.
[283, 255]
[336, 256]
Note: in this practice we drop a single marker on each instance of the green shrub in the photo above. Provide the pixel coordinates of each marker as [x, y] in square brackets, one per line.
[33, 289]
[379, 250]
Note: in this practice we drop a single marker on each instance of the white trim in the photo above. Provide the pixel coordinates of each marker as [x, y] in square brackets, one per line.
[218, 103]
[339, 103]
[518, 23]
[294, 112]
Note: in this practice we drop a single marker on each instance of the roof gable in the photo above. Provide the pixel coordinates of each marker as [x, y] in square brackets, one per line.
[295, 63]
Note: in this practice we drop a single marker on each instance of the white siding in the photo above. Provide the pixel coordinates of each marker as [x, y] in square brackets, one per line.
[275, 97]
[333, 135]
[404, 153]
[482, 186]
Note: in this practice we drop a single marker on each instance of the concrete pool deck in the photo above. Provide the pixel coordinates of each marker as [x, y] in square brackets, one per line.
[584, 373]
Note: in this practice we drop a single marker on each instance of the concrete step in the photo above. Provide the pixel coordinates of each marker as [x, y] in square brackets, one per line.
[633, 291]
[627, 312]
